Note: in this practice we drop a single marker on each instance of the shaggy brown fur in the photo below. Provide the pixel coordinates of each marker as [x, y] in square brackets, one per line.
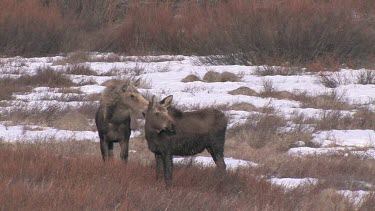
[170, 131]
[116, 116]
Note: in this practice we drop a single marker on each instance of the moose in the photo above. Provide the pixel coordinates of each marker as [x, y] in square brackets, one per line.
[170, 131]
[117, 116]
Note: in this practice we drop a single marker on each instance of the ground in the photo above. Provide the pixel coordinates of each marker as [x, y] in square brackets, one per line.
[290, 127]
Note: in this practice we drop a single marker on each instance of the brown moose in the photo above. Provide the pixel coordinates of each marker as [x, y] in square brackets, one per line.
[116, 116]
[170, 131]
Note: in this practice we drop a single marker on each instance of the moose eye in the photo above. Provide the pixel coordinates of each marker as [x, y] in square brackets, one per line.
[132, 97]
[157, 113]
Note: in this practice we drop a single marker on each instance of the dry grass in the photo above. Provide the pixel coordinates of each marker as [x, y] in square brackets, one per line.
[128, 71]
[259, 130]
[330, 81]
[270, 90]
[66, 90]
[243, 107]
[80, 70]
[324, 63]
[87, 81]
[366, 77]
[369, 202]
[364, 118]
[73, 58]
[338, 172]
[43, 179]
[10, 86]
[46, 76]
[336, 120]
[243, 91]
[191, 78]
[212, 76]
[277, 70]
[231, 77]
[333, 80]
[193, 89]
[75, 118]
[332, 100]
[111, 57]
[10, 70]
[65, 97]
[329, 120]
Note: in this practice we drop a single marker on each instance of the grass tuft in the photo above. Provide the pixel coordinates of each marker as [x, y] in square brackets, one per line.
[46, 76]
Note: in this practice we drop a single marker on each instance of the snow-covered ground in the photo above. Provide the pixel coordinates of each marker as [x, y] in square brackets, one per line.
[232, 163]
[164, 75]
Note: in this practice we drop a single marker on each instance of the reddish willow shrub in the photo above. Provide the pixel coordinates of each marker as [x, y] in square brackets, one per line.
[240, 31]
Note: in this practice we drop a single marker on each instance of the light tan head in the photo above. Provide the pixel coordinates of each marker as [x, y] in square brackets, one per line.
[132, 98]
[157, 117]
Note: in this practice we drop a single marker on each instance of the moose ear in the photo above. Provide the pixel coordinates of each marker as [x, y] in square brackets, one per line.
[166, 102]
[119, 89]
[152, 103]
[137, 82]
[131, 88]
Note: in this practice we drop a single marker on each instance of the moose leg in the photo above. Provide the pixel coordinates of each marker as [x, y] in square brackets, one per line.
[168, 165]
[124, 143]
[218, 156]
[110, 150]
[220, 161]
[212, 154]
[159, 166]
[104, 149]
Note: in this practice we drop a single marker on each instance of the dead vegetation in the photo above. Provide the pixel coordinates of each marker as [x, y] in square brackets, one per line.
[74, 118]
[129, 71]
[46, 76]
[191, 78]
[10, 86]
[259, 130]
[243, 91]
[362, 118]
[46, 180]
[329, 120]
[331, 81]
[243, 107]
[70, 90]
[193, 89]
[366, 77]
[278, 70]
[74, 58]
[212, 76]
[80, 70]
[64, 97]
[331, 100]
[240, 32]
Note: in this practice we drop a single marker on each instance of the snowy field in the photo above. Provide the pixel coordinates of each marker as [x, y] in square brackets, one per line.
[163, 75]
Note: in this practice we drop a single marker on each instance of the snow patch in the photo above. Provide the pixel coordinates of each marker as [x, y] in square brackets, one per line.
[291, 183]
[232, 163]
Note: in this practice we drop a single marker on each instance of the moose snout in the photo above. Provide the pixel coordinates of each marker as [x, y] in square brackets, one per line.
[170, 126]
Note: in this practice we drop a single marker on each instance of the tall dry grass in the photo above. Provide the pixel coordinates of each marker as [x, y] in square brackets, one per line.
[32, 177]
